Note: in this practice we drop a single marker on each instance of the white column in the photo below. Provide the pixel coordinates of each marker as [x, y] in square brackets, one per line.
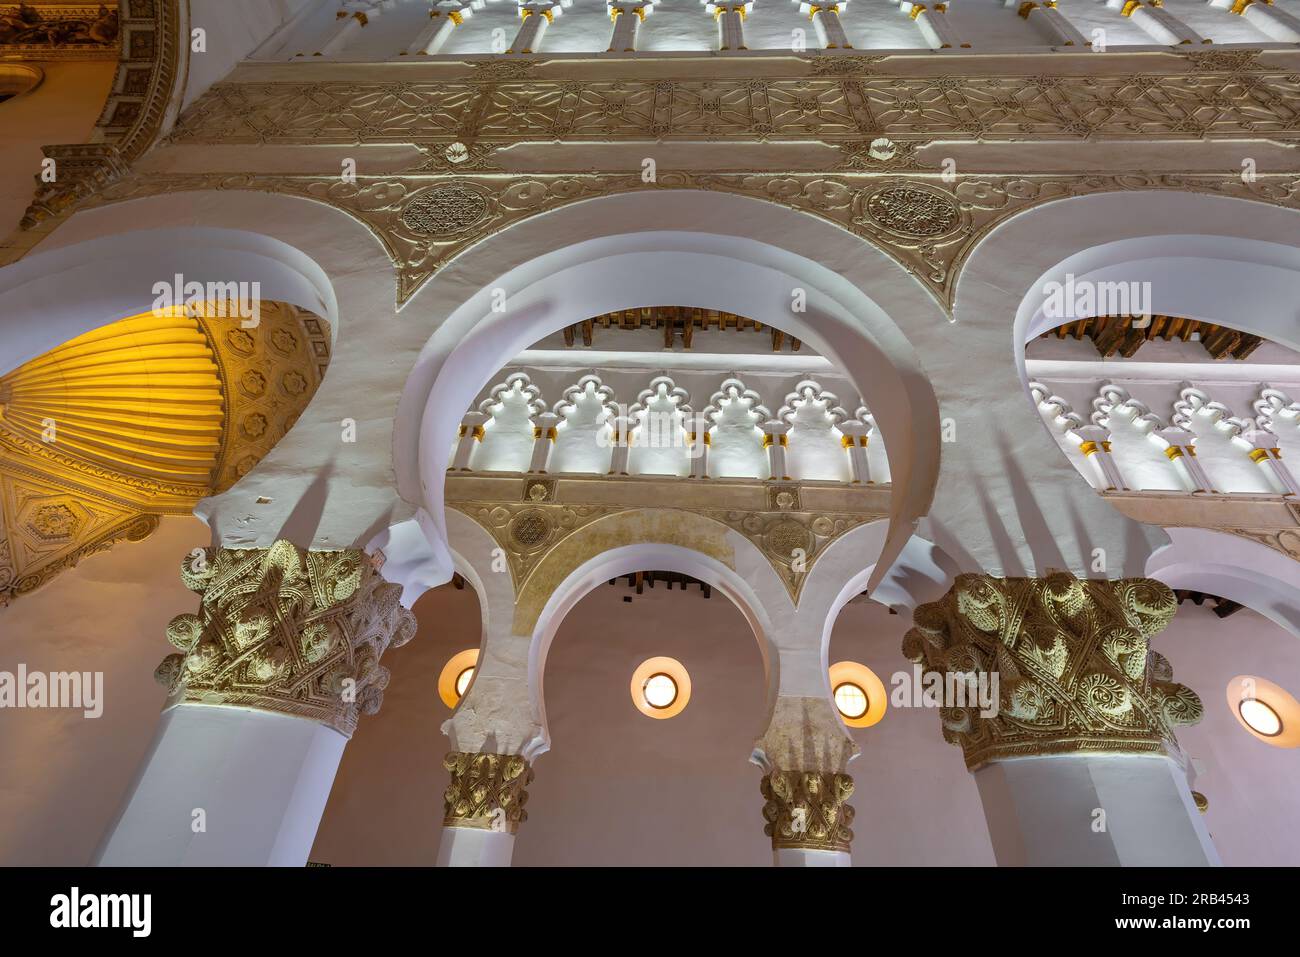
[1265, 17]
[442, 21]
[700, 442]
[544, 436]
[810, 857]
[622, 443]
[1158, 23]
[731, 23]
[1093, 810]
[932, 20]
[1180, 450]
[474, 847]
[775, 440]
[1265, 453]
[225, 786]
[826, 21]
[1094, 443]
[626, 18]
[855, 445]
[1051, 22]
[349, 22]
[536, 17]
[471, 432]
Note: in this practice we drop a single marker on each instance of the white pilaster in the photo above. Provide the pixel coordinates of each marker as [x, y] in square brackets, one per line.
[225, 786]
[1094, 443]
[443, 20]
[1180, 450]
[1265, 453]
[536, 17]
[1264, 16]
[855, 446]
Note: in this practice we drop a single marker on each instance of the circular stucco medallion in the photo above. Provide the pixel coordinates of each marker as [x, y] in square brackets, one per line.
[913, 211]
[529, 529]
[444, 211]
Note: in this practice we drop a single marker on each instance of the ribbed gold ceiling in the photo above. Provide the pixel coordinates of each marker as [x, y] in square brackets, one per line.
[142, 396]
[138, 419]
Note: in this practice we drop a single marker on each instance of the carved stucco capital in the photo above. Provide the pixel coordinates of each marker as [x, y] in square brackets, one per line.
[487, 791]
[808, 810]
[288, 630]
[803, 754]
[1075, 671]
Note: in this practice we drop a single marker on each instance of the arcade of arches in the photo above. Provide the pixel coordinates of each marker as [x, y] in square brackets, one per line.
[740, 435]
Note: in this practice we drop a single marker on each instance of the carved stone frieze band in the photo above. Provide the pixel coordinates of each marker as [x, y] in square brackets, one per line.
[487, 791]
[808, 810]
[790, 532]
[288, 630]
[1075, 670]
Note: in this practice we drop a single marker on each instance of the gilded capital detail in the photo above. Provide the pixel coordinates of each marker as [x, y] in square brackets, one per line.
[487, 791]
[1075, 670]
[288, 630]
[808, 810]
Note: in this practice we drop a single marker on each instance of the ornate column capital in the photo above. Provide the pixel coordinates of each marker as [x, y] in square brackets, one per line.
[808, 810]
[1072, 658]
[487, 791]
[288, 630]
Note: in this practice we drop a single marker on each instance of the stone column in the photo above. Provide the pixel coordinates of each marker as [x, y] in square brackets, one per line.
[855, 438]
[826, 21]
[471, 432]
[544, 436]
[932, 20]
[1094, 443]
[443, 20]
[1157, 22]
[804, 755]
[350, 21]
[1180, 450]
[626, 18]
[269, 680]
[1265, 453]
[1051, 22]
[775, 440]
[1265, 17]
[731, 23]
[536, 17]
[483, 808]
[1074, 755]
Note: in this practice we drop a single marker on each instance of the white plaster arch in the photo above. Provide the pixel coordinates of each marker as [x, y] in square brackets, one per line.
[622, 251]
[1247, 572]
[1197, 251]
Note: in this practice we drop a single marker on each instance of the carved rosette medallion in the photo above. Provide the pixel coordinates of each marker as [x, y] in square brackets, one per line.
[809, 810]
[913, 211]
[287, 630]
[1075, 671]
[445, 211]
[487, 791]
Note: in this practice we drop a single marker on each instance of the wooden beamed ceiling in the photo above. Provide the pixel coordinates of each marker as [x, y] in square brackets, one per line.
[678, 325]
[1117, 335]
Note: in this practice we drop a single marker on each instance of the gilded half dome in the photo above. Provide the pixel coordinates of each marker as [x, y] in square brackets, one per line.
[138, 419]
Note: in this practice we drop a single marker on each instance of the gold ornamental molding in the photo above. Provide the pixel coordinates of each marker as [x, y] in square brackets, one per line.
[1073, 659]
[138, 419]
[808, 810]
[60, 31]
[151, 63]
[287, 630]
[487, 791]
[791, 523]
